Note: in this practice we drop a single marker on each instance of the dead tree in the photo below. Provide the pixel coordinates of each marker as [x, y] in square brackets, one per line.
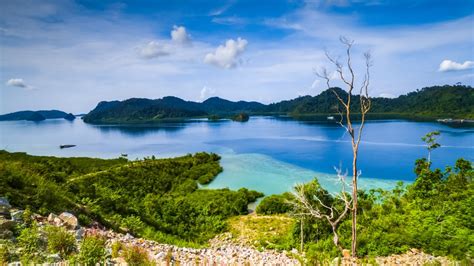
[346, 74]
[306, 204]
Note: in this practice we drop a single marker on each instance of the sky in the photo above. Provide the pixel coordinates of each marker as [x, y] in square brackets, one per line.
[70, 55]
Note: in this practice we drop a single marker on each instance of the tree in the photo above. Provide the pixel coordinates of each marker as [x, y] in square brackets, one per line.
[312, 200]
[431, 143]
[345, 114]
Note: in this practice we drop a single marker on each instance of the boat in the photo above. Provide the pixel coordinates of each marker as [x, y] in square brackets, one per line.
[66, 146]
[330, 117]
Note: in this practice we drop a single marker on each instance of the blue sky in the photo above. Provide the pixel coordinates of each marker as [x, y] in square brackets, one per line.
[70, 55]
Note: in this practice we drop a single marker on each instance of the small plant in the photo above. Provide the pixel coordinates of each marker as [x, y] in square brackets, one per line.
[6, 252]
[60, 241]
[31, 244]
[27, 216]
[135, 256]
[92, 250]
[116, 248]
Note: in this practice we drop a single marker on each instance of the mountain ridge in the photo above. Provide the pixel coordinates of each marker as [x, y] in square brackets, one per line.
[448, 101]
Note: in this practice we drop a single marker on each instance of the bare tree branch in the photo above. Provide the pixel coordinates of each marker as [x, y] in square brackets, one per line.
[365, 105]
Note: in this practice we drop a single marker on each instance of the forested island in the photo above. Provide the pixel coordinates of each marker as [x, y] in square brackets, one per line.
[430, 103]
[37, 115]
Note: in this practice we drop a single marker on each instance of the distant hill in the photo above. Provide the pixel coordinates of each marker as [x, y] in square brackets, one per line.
[428, 103]
[216, 106]
[34, 115]
[137, 110]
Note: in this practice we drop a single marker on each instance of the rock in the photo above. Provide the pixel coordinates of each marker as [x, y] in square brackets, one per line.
[54, 258]
[5, 208]
[69, 219]
[51, 217]
[17, 216]
[80, 233]
[6, 224]
[346, 253]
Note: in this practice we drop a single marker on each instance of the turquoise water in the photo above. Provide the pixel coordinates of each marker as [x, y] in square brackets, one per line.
[266, 154]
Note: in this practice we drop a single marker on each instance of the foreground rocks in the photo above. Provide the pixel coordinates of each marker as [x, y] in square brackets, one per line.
[219, 253]
[222, 250]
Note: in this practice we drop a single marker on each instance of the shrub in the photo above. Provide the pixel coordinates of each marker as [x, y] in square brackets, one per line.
[116, 248]
[31, 244]
[92, 250]
[6, 252]
[60, 241]
[274, 204]
[135, 256]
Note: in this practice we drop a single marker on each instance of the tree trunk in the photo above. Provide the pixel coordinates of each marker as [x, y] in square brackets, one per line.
[336, 237]
[301, 235]
[354, 205]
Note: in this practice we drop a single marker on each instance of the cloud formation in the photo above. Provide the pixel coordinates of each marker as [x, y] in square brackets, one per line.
[179, 35]
[226, 55]
[153, 49]
[206, 92]
[449, 65]
[17, 83]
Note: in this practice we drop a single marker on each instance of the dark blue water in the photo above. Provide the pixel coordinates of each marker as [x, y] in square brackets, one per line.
[266, 154]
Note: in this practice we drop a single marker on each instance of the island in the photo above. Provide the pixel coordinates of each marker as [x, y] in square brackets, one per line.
[36, 115]
[427, 104]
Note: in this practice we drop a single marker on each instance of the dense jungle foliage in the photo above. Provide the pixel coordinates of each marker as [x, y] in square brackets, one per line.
[154, 198]
[434, 214]
[448, 101]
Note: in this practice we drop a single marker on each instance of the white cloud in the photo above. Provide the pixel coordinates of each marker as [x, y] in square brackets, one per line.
[226, 55]
[206, 92]
[153, 49]
[386, 95]
[449, 65]
[233, 20]
[179, 35]
[18, 83]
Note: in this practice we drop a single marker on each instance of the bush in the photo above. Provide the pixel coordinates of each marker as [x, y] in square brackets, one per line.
[137, 256]
[6, 252]
[60, 241]
[92, 250]
[116, 248]
[31, 244]
[274, 204]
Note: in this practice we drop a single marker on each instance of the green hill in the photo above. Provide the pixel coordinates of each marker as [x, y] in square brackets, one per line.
[167, 108]
[33, 115]
[155, 198]
[428, 103]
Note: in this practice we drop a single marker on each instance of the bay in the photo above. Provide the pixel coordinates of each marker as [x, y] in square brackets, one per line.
[267, 154]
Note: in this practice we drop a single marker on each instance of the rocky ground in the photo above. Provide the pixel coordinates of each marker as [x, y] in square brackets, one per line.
[222, 250]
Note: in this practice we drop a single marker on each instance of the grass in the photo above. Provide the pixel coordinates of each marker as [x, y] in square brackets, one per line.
[263, 232]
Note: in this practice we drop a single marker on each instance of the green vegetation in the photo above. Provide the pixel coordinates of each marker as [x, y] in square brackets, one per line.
[60, 241]
[242, 117]
[275, 231]
[456, 101]
[136, 256]
[430, 103]
[156, 199]
[275, 204]
[433, 214]
[31, 244]
[92, 251]
[36, 115]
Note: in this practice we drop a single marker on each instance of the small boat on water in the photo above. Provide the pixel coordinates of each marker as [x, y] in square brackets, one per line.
[66, 146]
[330, 117]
